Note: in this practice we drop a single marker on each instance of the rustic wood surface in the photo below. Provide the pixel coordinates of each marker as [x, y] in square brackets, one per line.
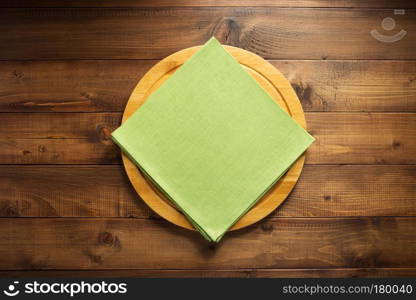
[84, 138]
[67, 70]
[143, 33]
[190, 3]
[237, 273]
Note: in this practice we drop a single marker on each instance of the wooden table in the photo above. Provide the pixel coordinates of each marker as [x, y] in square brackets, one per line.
[67, 207]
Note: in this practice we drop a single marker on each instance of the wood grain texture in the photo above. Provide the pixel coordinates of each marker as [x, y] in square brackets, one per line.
[68, 191]
[84, 138]
[192, 3]
[68, 86]
[368, 138]
[104, 191]
[59, 60]
[95, 127]
[276, 243]
[353, 191]
[144, 33]
[237, 273]
[58, 151]
[353, 86]
[105, 85]
[65, 138]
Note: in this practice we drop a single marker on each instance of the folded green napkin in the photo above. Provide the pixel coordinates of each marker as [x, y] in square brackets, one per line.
[212, 140]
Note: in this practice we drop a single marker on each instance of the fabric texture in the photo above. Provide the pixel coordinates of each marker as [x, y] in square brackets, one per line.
[212, 140]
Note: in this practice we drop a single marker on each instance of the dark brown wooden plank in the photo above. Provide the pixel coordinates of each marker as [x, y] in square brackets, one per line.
[68, 191]
[65, 138]
[95, 127]
[353, 85]
[352, 191]
[84, 138]
[368, 138]
[77, 86]
[91, 33]
[105, 191]
[156, 3]
[66, 243]
[237, 273]
[58, 151]
[99, 85]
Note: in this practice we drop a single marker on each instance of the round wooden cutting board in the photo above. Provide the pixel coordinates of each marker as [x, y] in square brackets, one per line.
[270, 79]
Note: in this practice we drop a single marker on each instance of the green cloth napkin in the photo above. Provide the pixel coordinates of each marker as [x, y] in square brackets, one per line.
[212, 140]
